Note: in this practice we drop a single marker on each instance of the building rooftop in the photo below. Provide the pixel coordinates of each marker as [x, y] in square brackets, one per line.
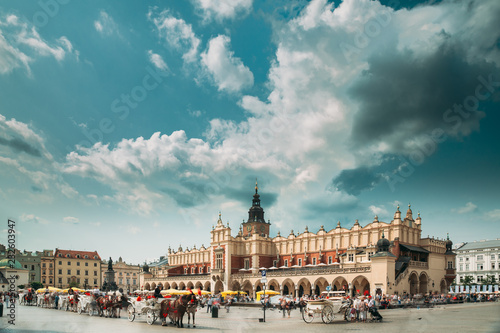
[483, 244]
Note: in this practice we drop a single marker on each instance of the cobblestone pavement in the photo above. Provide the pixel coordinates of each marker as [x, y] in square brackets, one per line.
[483, 317]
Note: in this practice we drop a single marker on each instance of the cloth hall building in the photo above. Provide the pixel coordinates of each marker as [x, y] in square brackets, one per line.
[381, 257]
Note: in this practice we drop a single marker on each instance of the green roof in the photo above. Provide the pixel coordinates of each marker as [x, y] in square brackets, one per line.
[7, 262]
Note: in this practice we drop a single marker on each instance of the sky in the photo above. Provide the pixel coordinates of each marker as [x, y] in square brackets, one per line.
[127, 126]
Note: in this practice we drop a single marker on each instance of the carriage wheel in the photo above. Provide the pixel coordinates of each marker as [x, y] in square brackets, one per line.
[79, 308]
[150, 317]
[91, 310]
[131, 313]
[346, 314]
[327, 314]
[308, 316]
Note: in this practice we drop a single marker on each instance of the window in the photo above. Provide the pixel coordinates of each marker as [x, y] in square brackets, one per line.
[68, 256]
[479, 278]
[218, 261]
[300, 261]
[121, 273]
[192, 270]
[467, 259]
[247, 263]
[329, 260]
[43, 281]
[69, 280]
[351, 257]
[77, 272]
[60, 271]
[78, 280]
[208, 269]
[69, 271]
[185, 270]
[86, 264]
[60, 262]
[120, 280]
[78, 263]
[86, 272]
[95, 273]
[60, 280]
[200, 270]
[461, 267]
[450, 264]
[479, 257]
[95, 281]
[86, 281]
[43, 265]
[492, 265]
[134, 281]
[461, 279]
[314, 261]
[33, 267]
[286, 262]
[95, 264]
[492, 257]
[50, 281]
[466, 267]
[479, 267]
[69, 263]
[461, 259]
[78, 256]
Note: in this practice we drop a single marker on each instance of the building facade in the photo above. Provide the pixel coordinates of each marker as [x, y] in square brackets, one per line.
[29, 260]
[126, 275]
[478, 259]
[381, 257]
[62, 267]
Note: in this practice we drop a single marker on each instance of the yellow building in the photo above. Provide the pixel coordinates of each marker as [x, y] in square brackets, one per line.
[126, 275]
[380, 257]
[81, 267]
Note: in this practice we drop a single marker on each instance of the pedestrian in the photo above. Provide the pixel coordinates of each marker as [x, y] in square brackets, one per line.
[6, 299]
[283, 306]
[57, 300]
[288, 308]
[209, 307]
[362, 311]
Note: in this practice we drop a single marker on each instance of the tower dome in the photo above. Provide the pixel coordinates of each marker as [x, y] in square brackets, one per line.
[383, 244]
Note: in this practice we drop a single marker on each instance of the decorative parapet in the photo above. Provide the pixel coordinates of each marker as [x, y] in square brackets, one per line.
[179, 277]
[306, 271]
[419, 264]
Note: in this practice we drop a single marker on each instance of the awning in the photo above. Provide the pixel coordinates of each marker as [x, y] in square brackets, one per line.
[413, 248]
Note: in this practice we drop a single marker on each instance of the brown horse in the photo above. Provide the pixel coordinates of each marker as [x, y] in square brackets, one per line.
[191, 309]
[175, 309]
[103, 305]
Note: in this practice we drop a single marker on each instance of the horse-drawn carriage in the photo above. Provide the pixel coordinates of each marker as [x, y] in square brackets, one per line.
[148, 307]
[87, 304]
[327, 309]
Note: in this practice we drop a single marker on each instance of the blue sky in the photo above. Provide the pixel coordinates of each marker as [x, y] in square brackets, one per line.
[135, 123]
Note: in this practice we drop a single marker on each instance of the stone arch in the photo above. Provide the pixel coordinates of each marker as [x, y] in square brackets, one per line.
[361, 285]
[182, 286]
[147, 286]
[207, 286]
[273, 285]
[198, 285]
[247, 287]
[235, 285]
[443, 287]
[304, 287]
[219, 287]
[423, 281]
[320, 285]
[413, 281]
[288, 287]
[167, 285]
[340, 283]
[190, 285]
[153, 286]
[160, 285]
[174, 285]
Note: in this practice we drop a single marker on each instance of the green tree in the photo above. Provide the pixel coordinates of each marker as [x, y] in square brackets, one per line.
[21, 286]
[36, 285]
[490, 279]
[468, 280]
[74, 284]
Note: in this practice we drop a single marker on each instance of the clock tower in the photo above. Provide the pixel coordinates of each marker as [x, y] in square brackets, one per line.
[256, 223]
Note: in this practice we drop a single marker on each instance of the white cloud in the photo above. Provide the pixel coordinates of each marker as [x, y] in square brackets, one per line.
[177, 33]
[157, 61]
[493, 215]
[222, 9]
[71, 220]
[133, 230]
[469, 208]
[379, 211]
[31, 218]
[105, 25]
[21, 44]
[228, 72]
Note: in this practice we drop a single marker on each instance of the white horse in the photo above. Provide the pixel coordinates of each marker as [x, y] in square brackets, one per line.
[63, 302]
[191, 309]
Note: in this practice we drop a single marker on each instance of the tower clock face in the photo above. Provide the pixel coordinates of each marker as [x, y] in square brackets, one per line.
[249, 228]
[262, 228]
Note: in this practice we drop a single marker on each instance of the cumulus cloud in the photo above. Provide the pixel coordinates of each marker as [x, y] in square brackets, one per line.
[106, 25]
[379, 211]
[71, 220]
[157, 61]
[468, 208]
[493, 215]
[177, 34]
[222, 9]
[228, 72]
[31, 218]
[21, 44]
